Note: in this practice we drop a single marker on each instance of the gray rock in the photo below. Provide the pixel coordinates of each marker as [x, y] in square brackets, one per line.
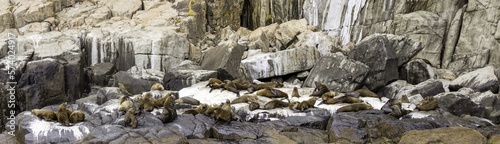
[459, 104]
[6, 16]
[138, 80]
[42, 84]
[7, 139]
[379, 55]
[100, 73]
[480, 80]
[338, 73]
[221, 15]
[390, 91]
[361, 127]
[105, 134]
[225, 59]
[287, 33]
[416, 71]
[145, 120]
[191, 126]
[32, 129]
[452, 37]
[315, 122]
[237, 131]
[303, 75]
[280, 63]
[124, 8]
[426, 27]
[326, 44]
[106, 93]
[178, 79]
[406, 48]
[427, 88]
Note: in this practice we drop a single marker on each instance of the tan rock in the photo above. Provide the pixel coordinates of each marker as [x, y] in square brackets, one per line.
[443, 135]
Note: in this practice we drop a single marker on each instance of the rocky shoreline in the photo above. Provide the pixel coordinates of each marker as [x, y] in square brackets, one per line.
[78, 51]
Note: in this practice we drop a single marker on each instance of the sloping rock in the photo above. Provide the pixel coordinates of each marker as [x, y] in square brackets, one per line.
[427, 88]
[287, 32]
[178, 79]
[197, 126]
[105, 134]
[379, 55]
[42, 84]
[6, 16]
[406, 48]
[302, 135]
[280, 63]
[26, 12]
[390, 91]
[259, 40]
[348, 74]
[225, 59]
[444, 135]
[325, 44]
[480, 80]
[237, 131]
[124, 8]
[426, 27]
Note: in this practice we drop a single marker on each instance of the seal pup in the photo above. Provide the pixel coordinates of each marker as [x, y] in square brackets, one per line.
[295, 92]
[130, 118]
[275, 104]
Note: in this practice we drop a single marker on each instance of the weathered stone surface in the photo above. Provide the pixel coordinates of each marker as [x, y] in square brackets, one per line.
[306, 135]
[480, 80]
[425, 27]
[444, 135]
[197, 126]
[26, 12]
[7, 139]
[137, 81]
[288, 31]
[378, 54]
[225, 59]
[6, 16]
[237, 131]
[42, 84]
[221, 14]
[348, 75]
[459, 103]
[259, 13]
[390, 91]
[477, 45]
[416, 71]
[178, 79]
[406, 48]
[100, 73]
[362, 127]
[452, 37]
[280, 63]
[325, 44]
[32, 129]
[427, 88]
[124, 8]
[259, 40]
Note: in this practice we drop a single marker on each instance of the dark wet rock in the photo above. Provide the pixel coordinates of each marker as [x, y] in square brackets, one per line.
[100, 73]
[459, 104]
[138, 81]
[416, 71]
[316, 122]
[178, 79]
[19, 66]
[338, 73]
[225, 59]
[480, 80]
[42, 83]
[443, 135]
[379, 55]
[105, 134]
[491, 103]
[197, 126]
[359, 127]
[145, 120]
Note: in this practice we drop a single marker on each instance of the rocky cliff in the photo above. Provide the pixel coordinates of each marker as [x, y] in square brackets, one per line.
[77, 51]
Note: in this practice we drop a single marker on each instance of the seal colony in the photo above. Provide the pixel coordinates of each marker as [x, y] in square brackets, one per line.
[132, 106]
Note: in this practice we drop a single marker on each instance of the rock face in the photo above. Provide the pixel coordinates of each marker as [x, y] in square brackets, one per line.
[348, 75]
[378, 54]
[480, 80]
[42, 84]
[458, 103]
[444, 135]
[221, 14]
[137, 81]
[225, 59]
[417, 71]
[178, 79]
[261, 13]
[280, 63]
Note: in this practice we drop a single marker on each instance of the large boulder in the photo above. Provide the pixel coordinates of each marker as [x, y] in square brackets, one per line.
[459, 103]
[364, 126]
[178, 79]
[416, 71]
[287, 32]
[101, 73]
[480, 80]
[124, 8]
[406, 48]
[443, 135]
[280, 63]
[225, 59]
[6, 16]
[425, 27]
[26, 12]
[427, 88]
[392, 90]
[338, 73]
[138, 80]
[42, 84]
[378, 54]
[326, 44]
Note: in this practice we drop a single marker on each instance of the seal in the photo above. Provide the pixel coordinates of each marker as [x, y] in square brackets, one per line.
[76, 117]
[272, 93]
[275, 104]
[46, 114]
[295, 92]
[355, 107]
[157, 86]
[367, 93]
[169, 112]
[245, 99]
[130, 118]
[253, 106]
[62, 114]
[188, 100]
[320, 89]
[429, 103]
[304, 105]
[198, 110]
